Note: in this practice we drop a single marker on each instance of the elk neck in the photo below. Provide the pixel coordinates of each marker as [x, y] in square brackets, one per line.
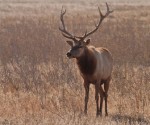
[87, 62]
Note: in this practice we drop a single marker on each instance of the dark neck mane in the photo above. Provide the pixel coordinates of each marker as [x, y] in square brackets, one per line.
[87, 62]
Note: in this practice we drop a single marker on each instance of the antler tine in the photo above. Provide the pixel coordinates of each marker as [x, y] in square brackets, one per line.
[69, 37]
[102, 17]
[80, 37]
[61, 18]
[108, 11]
[63, 12]
[65, 33]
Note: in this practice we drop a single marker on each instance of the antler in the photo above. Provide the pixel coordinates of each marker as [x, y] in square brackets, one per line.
[65, 33]
[102, 17]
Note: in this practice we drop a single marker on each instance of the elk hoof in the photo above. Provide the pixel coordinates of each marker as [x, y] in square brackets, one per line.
[98, 114]
[85, 112]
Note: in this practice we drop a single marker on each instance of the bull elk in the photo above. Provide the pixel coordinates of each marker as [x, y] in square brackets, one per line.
[95, 64]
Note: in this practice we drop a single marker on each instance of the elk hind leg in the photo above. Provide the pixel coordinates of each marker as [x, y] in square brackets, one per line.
[106, 87]
[97, 99]
[101, 92]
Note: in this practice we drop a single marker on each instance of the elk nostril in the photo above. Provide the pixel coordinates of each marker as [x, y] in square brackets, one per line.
[68, 54]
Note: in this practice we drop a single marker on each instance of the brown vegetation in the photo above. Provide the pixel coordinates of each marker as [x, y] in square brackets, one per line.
[39, 85]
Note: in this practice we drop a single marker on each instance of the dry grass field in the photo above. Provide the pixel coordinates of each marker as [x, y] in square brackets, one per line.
[40, 86]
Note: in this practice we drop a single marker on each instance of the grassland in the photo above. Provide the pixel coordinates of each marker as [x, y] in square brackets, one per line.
[40, 86]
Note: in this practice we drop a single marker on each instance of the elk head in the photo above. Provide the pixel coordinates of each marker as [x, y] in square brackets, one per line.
[79, 44]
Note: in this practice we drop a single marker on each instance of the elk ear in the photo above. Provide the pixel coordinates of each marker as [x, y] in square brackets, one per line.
[87, 41]
[70, 43]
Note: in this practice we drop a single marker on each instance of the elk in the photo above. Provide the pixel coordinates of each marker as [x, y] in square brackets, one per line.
[95, 64]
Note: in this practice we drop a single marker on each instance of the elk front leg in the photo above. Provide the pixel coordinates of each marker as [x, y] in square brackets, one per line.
[97, 98]
[86, 86]
[101, 92]
[106, 87]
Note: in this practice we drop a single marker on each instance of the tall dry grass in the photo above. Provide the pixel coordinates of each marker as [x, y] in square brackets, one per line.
[39, 85]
